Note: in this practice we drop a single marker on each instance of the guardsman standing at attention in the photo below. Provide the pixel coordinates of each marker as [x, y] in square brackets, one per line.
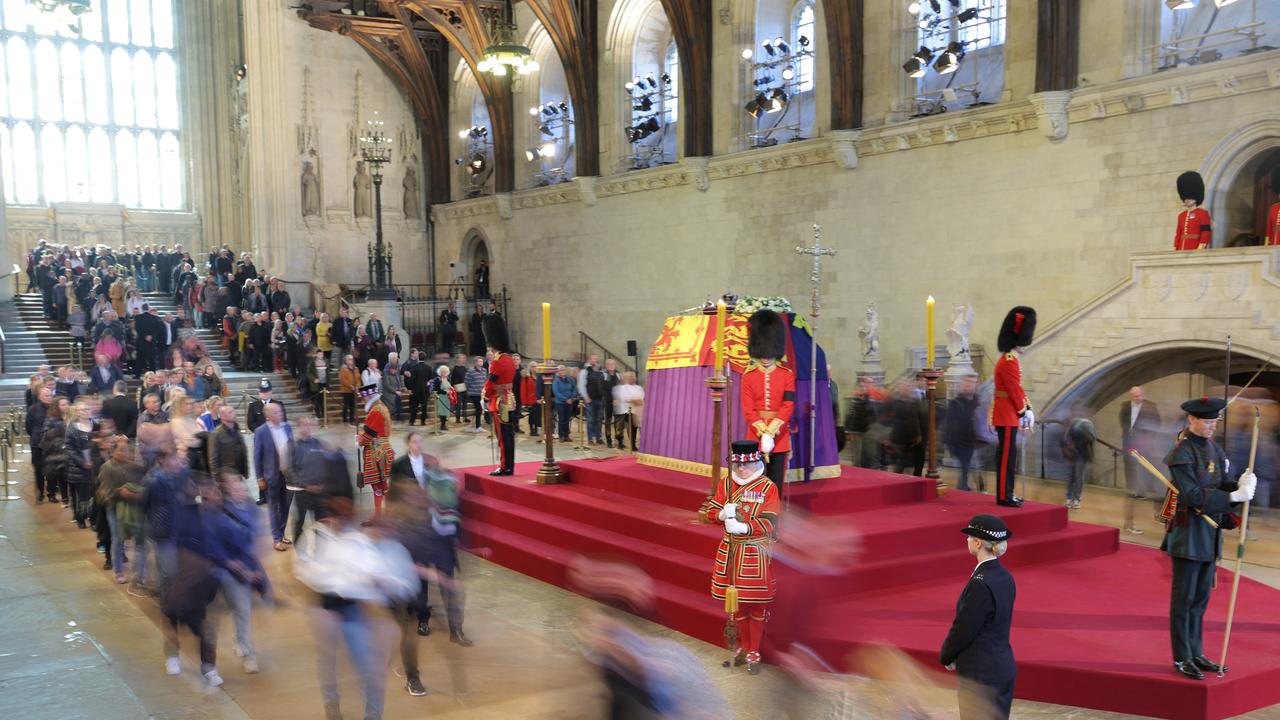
[977, 647]
[1194, 227]
[500, 400]
[1200, 472]
[769, 391]
[747, 503]
[1273, 217]
[374, 442]
[1010, 408]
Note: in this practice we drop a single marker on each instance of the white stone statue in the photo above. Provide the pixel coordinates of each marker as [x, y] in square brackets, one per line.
[363, 185]
[958, 333]
[411, 211]
[869, 333]
[310, 189]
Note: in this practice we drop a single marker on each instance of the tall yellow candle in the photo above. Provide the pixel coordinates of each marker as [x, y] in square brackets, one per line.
[929, 341]
[720, 318]
[546, 332]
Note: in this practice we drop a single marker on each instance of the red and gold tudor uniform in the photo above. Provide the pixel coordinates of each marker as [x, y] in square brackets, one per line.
[1194, 230]
[374, 442]
[500, 400]
[747, 504]
[769, 390]
[1273, 217]
[1010, 407]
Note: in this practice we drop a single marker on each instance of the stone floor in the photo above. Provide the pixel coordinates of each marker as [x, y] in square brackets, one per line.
[75, 645]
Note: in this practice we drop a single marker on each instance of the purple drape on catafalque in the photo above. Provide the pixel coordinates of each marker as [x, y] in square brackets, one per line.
[677, 419]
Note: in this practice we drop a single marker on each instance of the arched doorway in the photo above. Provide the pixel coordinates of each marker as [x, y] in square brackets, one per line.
[472, 267]
[1168, 374]
[1237, 175]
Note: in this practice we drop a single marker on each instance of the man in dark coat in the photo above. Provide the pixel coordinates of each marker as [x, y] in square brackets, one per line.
[1199, 470]
[977, 647]
[121, 410]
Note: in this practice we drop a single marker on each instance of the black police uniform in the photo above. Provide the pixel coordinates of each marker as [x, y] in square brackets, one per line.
[1199, 471]
[978, 643]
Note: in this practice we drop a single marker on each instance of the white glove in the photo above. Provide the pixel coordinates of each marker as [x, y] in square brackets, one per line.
[766, 443]
[1248, 486]
[1028, 420]
[730, 510]
[736, 528]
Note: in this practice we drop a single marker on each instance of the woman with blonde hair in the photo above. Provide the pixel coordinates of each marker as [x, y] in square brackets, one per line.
[209, 418]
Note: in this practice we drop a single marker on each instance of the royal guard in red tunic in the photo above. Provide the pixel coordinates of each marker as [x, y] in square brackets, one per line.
[1194, 230]
[499, 398]
[769, 391]
[1010, 408]
[374, 442]
[1273, 217]
[746, 502]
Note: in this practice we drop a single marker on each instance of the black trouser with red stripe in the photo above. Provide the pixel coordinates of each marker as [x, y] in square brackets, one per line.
[506, 432]
[1006, 461]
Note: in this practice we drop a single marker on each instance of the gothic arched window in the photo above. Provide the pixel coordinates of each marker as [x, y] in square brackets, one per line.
[803, 30]
[90, 113]
[671, 78]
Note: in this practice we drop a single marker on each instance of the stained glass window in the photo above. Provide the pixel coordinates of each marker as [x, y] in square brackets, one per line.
[90, 112]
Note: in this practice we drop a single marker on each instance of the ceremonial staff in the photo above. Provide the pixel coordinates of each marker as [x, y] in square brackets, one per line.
[1226, 396]
[1244, 532]
[1171, 504]
[815, 308]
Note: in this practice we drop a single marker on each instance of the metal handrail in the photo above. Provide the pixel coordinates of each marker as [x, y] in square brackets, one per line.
[584, 340]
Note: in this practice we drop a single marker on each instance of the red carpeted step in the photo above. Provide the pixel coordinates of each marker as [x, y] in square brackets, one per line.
[857, 489]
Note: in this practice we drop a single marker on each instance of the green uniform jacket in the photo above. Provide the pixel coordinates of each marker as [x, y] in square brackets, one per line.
[1199, 471]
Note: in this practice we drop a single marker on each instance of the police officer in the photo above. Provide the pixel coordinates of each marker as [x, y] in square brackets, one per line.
[977, 647]
[1199, 470]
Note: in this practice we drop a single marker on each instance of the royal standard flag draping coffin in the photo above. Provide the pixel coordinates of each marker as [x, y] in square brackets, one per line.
[678, 416]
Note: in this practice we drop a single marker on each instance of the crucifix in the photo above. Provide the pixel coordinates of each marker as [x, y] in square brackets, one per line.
[815, 308]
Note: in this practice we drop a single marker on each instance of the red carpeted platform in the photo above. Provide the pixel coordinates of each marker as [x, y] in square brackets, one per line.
[1090, 626]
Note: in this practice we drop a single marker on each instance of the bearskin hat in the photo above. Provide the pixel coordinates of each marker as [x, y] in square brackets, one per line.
[766, 335]
[1018, 329]
[1275, 179]
[1191, 187]
[495, 334]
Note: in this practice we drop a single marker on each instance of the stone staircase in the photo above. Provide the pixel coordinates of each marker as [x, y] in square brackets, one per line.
[1169, 300]
[31, 341]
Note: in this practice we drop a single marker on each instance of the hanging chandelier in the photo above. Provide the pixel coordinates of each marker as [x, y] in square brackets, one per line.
[505, 53]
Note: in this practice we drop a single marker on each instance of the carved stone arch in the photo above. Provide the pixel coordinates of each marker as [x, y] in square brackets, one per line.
[1234, 157]
[474, 247]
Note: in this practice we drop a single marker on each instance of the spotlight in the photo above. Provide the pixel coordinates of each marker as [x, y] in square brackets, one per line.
[768, 48]
[777, 100]
[756, 105]
[666, 78]
[1180, 4]
[937, 6]
[781, 46]
[548, 110]
[914, 8]
[949, 60]
[967, 15]
[645, 104]
[803, 40]
[484, 132]
[533, 111]
[1222, 3]
[462, 134]
[652, 125]
[530, 155]
[459, 161]
[955, 4]
[629, 86]
[547, 150]
[788, 74]
[653, 84]
[563, 106]
[546, 131]
[918, 64]
[765, 80]
[476, 166]
[746, 53]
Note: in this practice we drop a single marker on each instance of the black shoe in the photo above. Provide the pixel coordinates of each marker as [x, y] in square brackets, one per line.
[1207, 665]
[262, 501]
[39, 499]
[424, 628]
[1189, 669]
[414, 686]
[500, 472]
[1015, 502]
[460, 639]
[80, 524]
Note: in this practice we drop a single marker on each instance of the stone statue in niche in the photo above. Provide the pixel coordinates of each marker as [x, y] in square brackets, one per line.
[958, 333]
[310, 189]
[411, 211]
[363, 185]
[869, 333]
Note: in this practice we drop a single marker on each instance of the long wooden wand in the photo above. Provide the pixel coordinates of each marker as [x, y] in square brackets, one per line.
[1244, 532]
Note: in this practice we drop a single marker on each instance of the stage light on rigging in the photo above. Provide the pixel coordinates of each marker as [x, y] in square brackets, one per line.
[768, 48]
[937, 6]
[777, 100]
[788, 74]
[533, 110]
[949, 60]
[1222, 3]
[1180, 4]
[563, 106]
[666, 78]
[547, 150]
[955, 4]
[918, 64]
[462, 134]
[530, 155]
[756, 106]
[914, 8]
[803, 40]
[546, 131]
[653, 84]
[781, 46]
[746, 53]
[966, 15]
[645, 104]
